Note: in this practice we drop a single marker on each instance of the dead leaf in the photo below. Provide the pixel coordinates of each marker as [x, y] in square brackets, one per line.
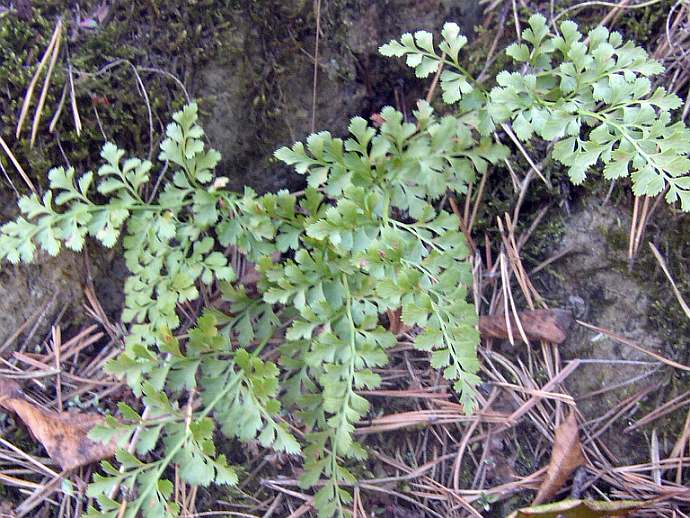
[63, 435]
[566, 455]
[550, 325]
[377, 119]
[579, 509]
[251, 276]
[396, 325]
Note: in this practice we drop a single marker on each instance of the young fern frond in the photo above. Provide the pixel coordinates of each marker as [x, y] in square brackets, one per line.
[420, 54]
[595, 99]
[592, 97]
[367, 237]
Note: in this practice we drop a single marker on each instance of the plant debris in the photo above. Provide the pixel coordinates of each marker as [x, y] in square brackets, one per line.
[63, 435]
[550, 325]
[579, 509]
[566, 456]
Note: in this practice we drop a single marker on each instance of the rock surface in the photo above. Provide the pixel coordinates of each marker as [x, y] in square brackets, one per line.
[594, 281]
[260, 96]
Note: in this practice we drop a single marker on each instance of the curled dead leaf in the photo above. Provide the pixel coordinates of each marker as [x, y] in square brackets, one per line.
[63, 435]
[550, 325]
[566, 456]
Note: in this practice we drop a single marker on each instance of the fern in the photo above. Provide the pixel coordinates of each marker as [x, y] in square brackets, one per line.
[366, 237]
[381, 246]
[592, 97]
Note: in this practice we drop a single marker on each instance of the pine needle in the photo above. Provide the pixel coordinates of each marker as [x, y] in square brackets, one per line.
[34, 80]
[44, 91]
[16, 164]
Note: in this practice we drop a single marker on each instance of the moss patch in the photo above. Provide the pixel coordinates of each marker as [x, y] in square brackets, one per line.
[161, 38]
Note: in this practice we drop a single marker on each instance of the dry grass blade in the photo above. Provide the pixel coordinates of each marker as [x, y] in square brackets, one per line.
[613, 14]
[516, 267]
[434, 82]
[40, 495]
[462, 221]
[676, 291]
[655, 456]
[633, 227]
[528, 405]
[18, 482]
[317, 8]
[524, 152]
[566, 455]
[518, 30]
[477, 201]
[73, 102]
[662, 410]
[506, 297]
[46, 84]
[679, 449]
[34, 80]
[644, 217]
[639, 223]
[433, 417]
[58, 111]
[33, 462]
[16, 164]
[417, 394]
[596, 3]
[632, 344]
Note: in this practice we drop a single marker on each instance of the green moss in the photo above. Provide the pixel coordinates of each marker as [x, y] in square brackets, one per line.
[155, 34]
[644, 25]
[641, 25]
[666, 316]
[616, 238]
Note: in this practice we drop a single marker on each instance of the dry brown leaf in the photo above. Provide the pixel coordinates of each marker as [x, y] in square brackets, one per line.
[566, 455]
[580, 509]
[550, 325]
[63, 435]
[396, 325]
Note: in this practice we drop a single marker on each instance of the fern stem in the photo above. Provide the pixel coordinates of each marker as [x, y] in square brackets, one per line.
[342, 413]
